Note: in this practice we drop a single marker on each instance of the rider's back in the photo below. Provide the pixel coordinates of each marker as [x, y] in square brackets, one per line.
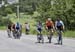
[49, 23]
[17, 26]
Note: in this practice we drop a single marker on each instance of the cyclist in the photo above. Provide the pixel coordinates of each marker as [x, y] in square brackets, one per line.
[9, 30]
[50, 27]
[17, 26]
[13, 29]
[39, 35]
[27, 27]
[59, 25]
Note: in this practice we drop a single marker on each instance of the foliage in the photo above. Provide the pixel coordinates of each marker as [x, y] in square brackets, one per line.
[4, 21]
[65, 9]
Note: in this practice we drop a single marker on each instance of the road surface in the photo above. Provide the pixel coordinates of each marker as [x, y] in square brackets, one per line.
[27, 43]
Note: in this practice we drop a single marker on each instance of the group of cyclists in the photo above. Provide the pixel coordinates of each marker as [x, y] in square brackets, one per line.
[51, 27]
[15, 29]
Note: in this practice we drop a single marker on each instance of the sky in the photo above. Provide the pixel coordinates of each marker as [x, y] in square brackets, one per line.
[10, 2]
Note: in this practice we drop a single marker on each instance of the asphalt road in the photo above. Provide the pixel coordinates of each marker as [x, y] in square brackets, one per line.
[27, 43]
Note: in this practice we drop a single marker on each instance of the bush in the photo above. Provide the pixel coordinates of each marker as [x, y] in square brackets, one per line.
[8, 10]
[4, 21]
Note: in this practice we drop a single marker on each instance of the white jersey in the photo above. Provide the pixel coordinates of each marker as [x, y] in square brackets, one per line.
[60, 22]
[27, 26]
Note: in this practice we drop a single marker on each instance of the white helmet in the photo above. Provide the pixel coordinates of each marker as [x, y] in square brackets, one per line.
[49, 19]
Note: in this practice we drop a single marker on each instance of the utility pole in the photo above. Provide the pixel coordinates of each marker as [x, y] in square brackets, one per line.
[52, 3]
[18, 13]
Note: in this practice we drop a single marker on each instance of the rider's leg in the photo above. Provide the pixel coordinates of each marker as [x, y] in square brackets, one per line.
[51, 34]
[18, 34]
[27, 31]
[9, 33]
[38, 36]
[21, 32]
[42, 39]
[60, 37]
[13, 33]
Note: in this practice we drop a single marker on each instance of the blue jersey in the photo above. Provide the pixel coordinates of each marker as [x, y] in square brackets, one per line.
[17, 26]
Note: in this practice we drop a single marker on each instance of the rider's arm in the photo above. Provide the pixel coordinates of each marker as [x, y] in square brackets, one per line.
[46, 26]
[56, 25]
[62, 24]
[53, 25]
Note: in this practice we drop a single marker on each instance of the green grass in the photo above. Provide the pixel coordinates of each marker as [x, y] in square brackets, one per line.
[2, 27]
[69, 34]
